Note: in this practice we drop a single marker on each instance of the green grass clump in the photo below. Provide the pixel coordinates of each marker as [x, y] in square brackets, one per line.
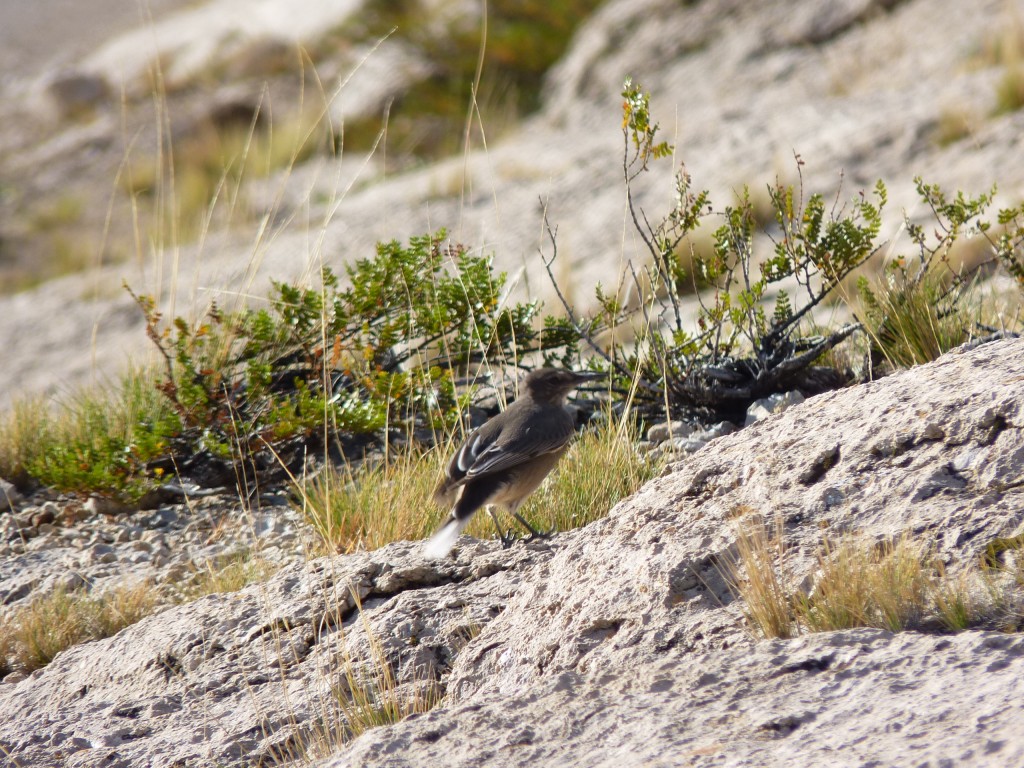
[99, 440]
[514, 49]
[914, 321]
[375, 503]
[601, 468]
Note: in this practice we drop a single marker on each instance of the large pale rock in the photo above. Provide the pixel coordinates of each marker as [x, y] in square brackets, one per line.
[854, 698]
[617, 644]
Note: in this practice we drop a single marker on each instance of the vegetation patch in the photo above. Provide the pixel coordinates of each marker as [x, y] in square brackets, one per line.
[487, 72]
[894, 584]
[388, 353]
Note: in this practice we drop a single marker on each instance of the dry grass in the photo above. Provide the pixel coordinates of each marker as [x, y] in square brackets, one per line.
[363, 693]
[373, 505]
[31, 637]
[955, 123]
[229, 575]
[369, 694]
[758, 575]
[51, 624]
[915, 321]
[887, 586]
[894, 585]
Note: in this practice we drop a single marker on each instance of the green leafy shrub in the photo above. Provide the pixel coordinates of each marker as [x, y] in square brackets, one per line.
[740, 349]
[102, 441]
[376, 351]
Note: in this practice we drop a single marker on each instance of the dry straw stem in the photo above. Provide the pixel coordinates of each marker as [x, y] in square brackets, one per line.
[370, 694]
[757, 575]
[362, 693]
[365, 507]
[915, 321]
[888, 586]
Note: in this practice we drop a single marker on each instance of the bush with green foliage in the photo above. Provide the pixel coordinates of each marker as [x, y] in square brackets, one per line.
[754, 331]
[495, 64]
[376, 352]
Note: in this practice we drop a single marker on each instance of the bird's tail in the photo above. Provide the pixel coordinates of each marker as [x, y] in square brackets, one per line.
[441, 543]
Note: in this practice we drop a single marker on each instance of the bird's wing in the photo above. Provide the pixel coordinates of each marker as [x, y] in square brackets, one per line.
[486, 454]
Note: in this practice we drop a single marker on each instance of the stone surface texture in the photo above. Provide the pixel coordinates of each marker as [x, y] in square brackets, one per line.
[616, 644]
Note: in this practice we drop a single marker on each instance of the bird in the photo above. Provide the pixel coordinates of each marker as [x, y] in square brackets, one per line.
[508, 457]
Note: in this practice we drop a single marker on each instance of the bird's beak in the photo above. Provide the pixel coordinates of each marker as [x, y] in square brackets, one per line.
[585, 376]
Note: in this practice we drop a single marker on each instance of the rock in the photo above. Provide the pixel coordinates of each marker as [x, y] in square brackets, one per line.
[9, 496]
[102, 505]
[77, 93]
[46, 514]
[845, 698]
[659, 433]
[621, 638]
[777, 403]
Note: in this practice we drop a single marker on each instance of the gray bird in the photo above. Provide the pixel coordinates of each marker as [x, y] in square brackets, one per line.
[507, 458]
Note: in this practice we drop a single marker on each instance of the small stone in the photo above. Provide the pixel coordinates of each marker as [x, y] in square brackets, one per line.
[9, 495]
[659, 433]
[45, 515]
[777, 403]
[70, 514]
[103, 506]
[102, 553]
[720, 429]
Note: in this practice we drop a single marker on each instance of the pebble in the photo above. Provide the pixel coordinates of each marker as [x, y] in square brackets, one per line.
[659, 433]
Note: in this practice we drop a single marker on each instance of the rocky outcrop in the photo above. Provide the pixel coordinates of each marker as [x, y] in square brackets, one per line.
[616, 644]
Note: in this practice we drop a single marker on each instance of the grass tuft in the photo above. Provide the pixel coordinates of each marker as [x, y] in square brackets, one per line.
[894, 585]
[377, 503]
[914, 321]
[757, 575]
[64, 618]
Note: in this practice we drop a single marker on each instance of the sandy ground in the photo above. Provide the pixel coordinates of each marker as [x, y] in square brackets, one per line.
[36, 35]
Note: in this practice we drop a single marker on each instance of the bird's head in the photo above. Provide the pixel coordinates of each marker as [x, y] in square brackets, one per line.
[551, 385]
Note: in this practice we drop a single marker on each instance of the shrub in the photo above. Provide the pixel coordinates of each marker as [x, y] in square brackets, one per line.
[321, 364]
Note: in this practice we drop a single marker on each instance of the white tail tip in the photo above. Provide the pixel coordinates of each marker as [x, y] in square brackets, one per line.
[440, 544]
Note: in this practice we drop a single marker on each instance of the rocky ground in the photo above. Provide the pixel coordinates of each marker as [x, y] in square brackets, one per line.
[616, 644]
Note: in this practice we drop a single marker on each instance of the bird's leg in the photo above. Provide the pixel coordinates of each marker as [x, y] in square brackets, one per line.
[506, 539]
[534, 533]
